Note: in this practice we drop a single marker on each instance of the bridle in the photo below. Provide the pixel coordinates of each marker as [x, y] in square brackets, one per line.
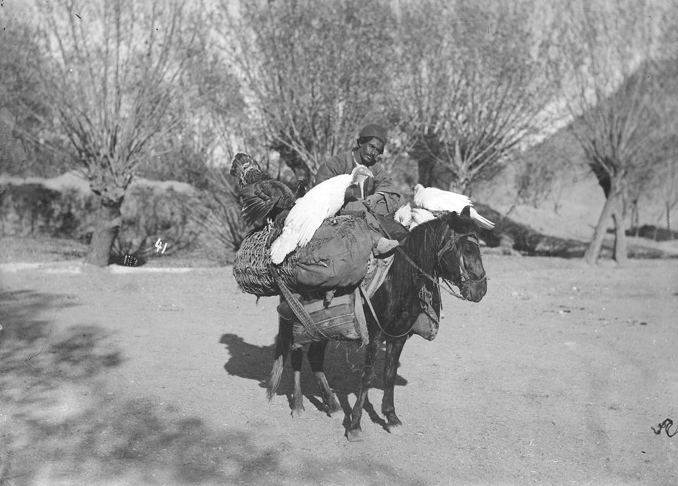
[451, 244]
[464, 280]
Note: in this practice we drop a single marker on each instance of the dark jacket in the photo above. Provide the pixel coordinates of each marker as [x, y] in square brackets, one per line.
[381, 183]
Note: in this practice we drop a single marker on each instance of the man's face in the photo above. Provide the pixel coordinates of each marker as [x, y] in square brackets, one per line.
[370, 151]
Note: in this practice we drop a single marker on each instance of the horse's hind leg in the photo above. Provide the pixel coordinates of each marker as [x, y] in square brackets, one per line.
[316, 358]
[283, 342]
[354, 433]
[393, 349]
[298, 398]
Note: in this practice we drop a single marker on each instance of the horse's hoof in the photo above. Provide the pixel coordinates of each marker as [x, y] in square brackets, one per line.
[299, 413]
[337, 415]
[355, 435]
[395, 429]
[335, 411]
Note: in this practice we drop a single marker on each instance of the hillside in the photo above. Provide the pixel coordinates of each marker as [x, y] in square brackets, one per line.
[572, 207]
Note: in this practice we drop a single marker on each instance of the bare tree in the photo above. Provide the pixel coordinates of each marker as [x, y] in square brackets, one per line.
[471, 87]
[23, 109]
[547, 169]
[210, 114]
[15, 77]
[111, 78]
[664, 183]
[314, 71]
[610, 69]
[669, 189]
[213, 119]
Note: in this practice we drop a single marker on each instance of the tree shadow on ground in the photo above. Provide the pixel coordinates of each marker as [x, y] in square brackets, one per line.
[343, 368]
[21, 330]
[61, 422]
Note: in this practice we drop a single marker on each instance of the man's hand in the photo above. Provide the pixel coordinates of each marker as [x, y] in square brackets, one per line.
[373, 200]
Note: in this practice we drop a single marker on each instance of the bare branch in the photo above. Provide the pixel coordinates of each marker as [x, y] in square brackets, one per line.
[472, 87]
[314, 71]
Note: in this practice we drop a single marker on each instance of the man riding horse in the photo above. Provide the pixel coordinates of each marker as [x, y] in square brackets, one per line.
[404, 301]
[377, 193]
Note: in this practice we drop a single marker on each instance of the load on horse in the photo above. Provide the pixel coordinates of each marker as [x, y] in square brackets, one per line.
[341, 280]
[305, 247]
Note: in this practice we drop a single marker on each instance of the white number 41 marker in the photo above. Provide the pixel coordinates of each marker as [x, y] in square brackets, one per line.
[158, 246]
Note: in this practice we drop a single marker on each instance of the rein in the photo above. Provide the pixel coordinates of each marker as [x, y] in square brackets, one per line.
[374, 314]
[426, 274]
[449, 245]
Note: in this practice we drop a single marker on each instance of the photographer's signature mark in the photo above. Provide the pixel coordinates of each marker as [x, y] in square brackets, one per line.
[666, 425]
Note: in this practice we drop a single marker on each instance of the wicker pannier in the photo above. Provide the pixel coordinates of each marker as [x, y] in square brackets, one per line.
[252, 265]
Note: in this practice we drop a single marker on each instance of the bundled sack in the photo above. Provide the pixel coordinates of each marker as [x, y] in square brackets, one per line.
[336, 257]
[336, 320]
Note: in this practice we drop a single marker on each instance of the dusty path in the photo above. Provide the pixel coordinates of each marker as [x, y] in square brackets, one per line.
[138, 378]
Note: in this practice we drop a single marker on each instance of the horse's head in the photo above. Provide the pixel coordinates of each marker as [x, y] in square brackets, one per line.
[459, 257]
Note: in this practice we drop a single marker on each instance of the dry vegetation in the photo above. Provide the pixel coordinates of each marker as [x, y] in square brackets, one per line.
[169, 90]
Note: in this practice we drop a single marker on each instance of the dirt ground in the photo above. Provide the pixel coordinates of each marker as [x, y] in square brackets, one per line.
[128, 376]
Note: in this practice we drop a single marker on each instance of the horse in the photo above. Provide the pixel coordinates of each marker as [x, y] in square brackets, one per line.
[444, 248]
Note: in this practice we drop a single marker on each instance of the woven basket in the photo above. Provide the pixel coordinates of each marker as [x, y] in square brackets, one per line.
[252, 267]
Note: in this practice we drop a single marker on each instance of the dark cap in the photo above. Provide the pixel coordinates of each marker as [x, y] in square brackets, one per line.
[373, 130]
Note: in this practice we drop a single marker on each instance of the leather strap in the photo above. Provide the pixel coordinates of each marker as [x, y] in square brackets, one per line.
[298, 308]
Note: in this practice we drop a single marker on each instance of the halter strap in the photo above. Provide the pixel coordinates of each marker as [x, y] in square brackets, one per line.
[451, 243]
[425, 274]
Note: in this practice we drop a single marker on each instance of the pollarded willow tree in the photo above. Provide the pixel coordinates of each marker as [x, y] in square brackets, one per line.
[17, 89]
[313, 71]
[610, 61]
[111, 77]
[471, 86]
[210, 114]
[666, 184]
[24, 114]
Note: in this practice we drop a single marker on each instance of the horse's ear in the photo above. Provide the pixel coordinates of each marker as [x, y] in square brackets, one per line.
[451, 216]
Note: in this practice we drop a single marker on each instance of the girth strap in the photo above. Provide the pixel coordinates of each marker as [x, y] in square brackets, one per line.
[297, 307]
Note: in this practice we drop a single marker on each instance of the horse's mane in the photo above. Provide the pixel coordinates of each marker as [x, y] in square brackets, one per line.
[421, 245]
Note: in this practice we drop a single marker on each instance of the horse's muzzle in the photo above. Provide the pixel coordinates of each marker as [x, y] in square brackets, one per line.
[475, 291]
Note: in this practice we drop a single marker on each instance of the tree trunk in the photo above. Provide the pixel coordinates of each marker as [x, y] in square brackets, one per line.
[593, 250]
[105, 233]
[668, 221]
[425, 172]
[620, 252]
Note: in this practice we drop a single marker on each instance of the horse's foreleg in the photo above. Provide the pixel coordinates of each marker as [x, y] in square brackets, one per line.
[298, 398]
[393, 349]
[354, 432]
[316, 358]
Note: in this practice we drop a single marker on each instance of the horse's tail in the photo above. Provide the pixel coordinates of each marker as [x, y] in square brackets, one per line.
[283, 342]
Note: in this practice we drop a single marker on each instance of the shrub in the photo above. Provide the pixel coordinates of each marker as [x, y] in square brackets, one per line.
[148, 214]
